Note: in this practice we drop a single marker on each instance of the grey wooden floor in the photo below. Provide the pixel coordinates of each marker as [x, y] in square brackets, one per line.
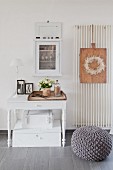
[57, 158]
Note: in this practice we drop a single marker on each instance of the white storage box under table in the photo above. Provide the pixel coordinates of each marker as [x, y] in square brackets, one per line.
[36, 137]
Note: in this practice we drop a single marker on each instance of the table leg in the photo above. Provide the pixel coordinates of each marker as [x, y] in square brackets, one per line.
[63, 127]
[9, 128]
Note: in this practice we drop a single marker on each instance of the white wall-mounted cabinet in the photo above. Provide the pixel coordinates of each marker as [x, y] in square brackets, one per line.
[48, 57]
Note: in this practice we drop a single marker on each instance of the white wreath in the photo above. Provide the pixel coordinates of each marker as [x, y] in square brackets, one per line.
[99, 69]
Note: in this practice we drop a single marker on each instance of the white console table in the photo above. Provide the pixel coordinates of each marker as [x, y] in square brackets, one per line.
[21, 102]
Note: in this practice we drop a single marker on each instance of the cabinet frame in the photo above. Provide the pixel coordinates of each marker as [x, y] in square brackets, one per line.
[47, 72]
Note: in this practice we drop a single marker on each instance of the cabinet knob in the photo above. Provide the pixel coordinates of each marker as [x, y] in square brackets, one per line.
[37, 135]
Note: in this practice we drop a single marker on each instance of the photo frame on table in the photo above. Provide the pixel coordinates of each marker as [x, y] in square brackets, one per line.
[20, 86]
[28, 88]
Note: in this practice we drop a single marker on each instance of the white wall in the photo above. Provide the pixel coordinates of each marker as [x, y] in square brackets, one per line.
[17, 18]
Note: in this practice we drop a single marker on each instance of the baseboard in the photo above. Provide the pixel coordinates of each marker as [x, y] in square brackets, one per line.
[67, 131]
[70, 131]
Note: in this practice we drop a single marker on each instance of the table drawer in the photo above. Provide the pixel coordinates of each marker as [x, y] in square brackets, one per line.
[36, 140]
[29, 105]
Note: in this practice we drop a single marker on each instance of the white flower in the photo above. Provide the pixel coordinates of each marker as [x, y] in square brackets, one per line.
[46, 82]
[50, 84]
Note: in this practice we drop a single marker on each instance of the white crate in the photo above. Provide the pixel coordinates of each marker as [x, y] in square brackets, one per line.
[36, 137]
[38, 119]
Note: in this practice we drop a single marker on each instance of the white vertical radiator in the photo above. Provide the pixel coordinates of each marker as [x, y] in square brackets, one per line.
[92, 101]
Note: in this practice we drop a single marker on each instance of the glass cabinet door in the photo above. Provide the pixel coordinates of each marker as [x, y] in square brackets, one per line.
[47, 58]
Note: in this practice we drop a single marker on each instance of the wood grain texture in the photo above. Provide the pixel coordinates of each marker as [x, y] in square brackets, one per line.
[86, 77]
[45, 158]
[37, 159]
[64, 163]
[80, 164]
[2, 153]
[13, 159]
[38, 96]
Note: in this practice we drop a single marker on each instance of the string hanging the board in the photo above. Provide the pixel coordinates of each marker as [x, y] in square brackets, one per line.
[93, 43]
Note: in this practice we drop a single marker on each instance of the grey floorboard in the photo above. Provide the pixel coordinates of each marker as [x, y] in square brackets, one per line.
[61, 152]
[37, 159]
[13, 159]
[103, 165]
[15, 153]
[2, 152]
[57, 163]
[47, 158]
[80, 164]
[12, 164]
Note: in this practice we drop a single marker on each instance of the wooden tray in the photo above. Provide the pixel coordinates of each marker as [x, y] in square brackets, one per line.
[37, 96]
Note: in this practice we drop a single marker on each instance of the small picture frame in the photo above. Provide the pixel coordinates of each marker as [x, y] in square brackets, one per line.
[28, 88]
[20, 86]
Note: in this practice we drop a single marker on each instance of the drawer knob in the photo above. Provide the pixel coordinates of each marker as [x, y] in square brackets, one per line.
[38, 105]
[37, 135]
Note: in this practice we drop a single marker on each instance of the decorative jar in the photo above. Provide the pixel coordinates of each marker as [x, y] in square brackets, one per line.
[46, 92]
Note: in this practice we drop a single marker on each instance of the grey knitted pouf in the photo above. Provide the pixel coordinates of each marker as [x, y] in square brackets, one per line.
[91, 143]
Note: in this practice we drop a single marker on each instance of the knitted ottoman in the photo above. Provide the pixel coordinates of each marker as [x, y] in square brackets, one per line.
[91, 143]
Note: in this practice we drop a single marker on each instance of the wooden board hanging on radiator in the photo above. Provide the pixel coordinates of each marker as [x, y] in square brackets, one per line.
[93, 65]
